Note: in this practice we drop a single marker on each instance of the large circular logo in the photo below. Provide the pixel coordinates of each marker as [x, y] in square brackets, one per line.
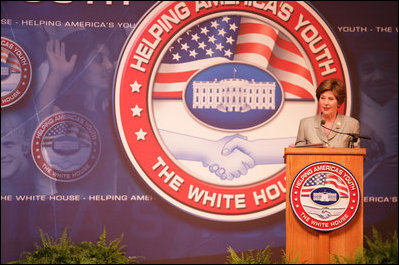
[208, 95]
[325, 196]
[66, 146]
[16, 72]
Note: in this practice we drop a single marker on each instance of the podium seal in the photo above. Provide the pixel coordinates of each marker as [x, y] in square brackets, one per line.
[324, 196]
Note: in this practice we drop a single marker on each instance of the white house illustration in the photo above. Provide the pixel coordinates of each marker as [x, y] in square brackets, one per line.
[234, 95]
[325, 197]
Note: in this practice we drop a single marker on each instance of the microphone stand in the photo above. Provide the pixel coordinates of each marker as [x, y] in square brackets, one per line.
[354, 136]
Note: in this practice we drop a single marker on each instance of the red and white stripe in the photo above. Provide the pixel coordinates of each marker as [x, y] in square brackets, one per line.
[271, 50]
[71, 130]
[338, 184]
[257, 43]
[9, 58]
[331, 181]
[171, 79]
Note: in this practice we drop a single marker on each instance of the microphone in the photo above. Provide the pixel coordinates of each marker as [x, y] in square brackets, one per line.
[354, 136]
[322, 122]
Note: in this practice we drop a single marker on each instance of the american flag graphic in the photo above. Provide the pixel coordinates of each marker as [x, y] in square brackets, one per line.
[229, 38]
[66, 128]
[325, 180]
[11, 60]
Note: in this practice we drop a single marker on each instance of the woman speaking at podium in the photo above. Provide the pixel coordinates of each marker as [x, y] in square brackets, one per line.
[329, 128]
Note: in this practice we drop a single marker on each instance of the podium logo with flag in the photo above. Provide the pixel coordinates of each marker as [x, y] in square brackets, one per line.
[325, 196]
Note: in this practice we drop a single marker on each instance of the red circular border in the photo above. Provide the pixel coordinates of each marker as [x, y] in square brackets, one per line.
[144, 154]
[324, 226]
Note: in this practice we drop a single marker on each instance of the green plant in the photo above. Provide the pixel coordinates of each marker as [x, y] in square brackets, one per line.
[375, 251]
[356, 258]
[261, 256]
[100, 253]
[52, 251]
[290, 259]
[378, 251]
[64, 251]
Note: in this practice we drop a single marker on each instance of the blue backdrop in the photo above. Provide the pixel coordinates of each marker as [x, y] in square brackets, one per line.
[152, 227]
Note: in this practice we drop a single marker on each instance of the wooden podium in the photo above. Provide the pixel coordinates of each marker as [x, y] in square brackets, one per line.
[304, 244]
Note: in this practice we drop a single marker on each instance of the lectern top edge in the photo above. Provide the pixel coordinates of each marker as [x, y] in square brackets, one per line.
[324, 151]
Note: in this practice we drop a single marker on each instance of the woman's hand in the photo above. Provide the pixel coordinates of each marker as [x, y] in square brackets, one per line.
[60, 68]
[59, 65]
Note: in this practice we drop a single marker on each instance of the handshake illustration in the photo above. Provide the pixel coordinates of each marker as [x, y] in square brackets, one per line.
[229, 157]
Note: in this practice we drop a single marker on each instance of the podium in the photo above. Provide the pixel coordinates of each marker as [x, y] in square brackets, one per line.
[312, 233]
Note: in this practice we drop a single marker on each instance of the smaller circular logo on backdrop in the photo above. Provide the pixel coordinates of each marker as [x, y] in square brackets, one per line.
[16, 72]
[233, 96]
[66, 146]
[324, 196]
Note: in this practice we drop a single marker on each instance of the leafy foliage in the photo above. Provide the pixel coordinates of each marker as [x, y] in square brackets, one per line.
[261, 256]
[291, 259]
[379, 251]
[64, 251]
[376, 251]
[357, 258]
